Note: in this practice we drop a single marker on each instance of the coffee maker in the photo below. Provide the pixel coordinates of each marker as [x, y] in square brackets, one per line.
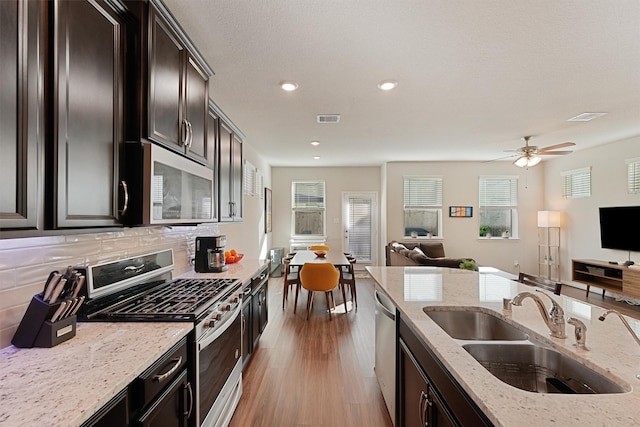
[210, 254]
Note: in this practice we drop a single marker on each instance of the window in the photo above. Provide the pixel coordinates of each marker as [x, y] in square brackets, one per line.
[633, 175]
[422, 206]
[498, 206]
[576, 183]
[308, 208]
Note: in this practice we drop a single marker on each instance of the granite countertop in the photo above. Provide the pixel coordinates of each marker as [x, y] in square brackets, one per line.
[66, 384]
[243, 270]
[612, 351]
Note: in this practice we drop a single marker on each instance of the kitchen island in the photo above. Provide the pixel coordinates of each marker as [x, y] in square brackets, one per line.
[612, 351]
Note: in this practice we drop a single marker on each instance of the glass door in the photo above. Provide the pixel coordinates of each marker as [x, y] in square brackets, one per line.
[359, 211]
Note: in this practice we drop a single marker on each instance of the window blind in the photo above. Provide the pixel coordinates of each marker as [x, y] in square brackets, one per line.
[498, 191]
[576, 183]
[422, 191]
[249, 179]
[633, 175]
[360, 223]
[308, 194]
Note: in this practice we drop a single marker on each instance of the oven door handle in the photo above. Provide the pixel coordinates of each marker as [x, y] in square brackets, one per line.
[205, 341]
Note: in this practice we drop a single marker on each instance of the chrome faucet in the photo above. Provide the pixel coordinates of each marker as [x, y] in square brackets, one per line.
[624, 322]
[554, 319]
[580, 332]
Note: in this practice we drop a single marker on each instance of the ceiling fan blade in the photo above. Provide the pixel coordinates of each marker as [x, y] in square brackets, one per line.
[502, 158]
[554, 153]
[553, 147]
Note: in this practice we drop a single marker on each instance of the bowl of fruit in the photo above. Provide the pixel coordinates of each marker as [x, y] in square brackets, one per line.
[232, 256]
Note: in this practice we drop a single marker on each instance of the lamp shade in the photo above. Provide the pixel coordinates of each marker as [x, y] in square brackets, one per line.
[548, 219]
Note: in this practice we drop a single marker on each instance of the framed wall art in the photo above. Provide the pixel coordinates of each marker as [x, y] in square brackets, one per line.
[461, 211]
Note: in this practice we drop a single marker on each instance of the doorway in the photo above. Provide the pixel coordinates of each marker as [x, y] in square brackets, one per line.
[359, 225]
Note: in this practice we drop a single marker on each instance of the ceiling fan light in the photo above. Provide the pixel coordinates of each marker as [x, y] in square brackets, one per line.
[521, 161]
[533, 160]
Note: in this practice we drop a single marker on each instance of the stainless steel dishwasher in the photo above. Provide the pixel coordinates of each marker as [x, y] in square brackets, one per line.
[385, 363]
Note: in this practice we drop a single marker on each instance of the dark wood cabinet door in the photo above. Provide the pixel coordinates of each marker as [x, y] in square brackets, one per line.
[236, 177]
[88, 106]
[197, 112]
[166, 55]
[413, 388]
[247, 338]
[22, 119]
[171, 408]
[213, 135]
[226, 207]
[264, 307]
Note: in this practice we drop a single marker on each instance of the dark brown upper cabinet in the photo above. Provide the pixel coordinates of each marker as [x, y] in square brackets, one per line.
[230, 170]
[178, 89]
[83, 164]
[22, 50]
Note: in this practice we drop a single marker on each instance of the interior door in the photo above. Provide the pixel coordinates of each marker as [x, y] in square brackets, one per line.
[360, 222]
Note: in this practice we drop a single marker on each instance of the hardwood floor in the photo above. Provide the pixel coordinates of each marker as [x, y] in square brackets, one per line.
[314, 372]
[595, 298]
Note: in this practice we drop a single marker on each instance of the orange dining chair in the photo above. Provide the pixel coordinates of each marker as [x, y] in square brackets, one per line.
[321, 277]
[319, 248]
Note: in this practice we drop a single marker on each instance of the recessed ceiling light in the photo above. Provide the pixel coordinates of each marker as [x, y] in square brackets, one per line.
[387, 84]
[288, 85]
[585, 117]
[316, 157]
[315, 143]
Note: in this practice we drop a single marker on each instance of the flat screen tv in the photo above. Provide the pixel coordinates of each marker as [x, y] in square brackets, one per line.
[620, 228]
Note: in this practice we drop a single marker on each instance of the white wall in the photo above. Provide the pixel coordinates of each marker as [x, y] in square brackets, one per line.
[460, 188]
[249, 236]
[580, 233]
[337, 180]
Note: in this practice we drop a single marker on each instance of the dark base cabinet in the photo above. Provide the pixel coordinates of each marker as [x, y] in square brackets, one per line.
[114, 414]
[255, 314]
[427, 394]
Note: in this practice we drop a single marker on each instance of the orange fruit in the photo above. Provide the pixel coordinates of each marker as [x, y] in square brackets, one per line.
[227, 254]
[233, 252]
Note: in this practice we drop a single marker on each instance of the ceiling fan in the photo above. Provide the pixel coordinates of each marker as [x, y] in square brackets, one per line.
[529, 155]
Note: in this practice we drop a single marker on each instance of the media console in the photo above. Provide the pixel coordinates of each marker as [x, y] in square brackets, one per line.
[608, 277]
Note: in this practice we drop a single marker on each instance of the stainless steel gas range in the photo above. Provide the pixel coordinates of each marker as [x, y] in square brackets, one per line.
[141, 289]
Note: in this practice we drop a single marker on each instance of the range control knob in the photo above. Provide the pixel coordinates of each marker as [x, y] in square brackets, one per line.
[225, 307]
[210, 323]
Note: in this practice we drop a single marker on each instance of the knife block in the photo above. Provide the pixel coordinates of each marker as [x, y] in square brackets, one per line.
[35, 330]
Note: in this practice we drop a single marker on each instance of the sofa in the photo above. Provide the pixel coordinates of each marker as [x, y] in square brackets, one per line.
[421, 254]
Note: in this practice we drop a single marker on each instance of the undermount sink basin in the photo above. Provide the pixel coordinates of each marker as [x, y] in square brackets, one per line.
[539, 369]
[474, 325]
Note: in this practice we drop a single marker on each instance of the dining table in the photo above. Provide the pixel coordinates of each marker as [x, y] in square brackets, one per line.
[334, 257]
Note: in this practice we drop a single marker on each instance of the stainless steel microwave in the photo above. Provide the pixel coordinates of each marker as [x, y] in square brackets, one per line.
[165, 187]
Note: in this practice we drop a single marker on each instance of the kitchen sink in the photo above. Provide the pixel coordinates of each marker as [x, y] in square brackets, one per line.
[539, 369]
[474, 325]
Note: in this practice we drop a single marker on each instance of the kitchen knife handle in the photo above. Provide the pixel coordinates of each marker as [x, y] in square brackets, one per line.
[161, 377]
[58, 312]
[58, 290]
[125, 206]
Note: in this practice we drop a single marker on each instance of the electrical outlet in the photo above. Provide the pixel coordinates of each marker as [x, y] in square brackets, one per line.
[516, 263]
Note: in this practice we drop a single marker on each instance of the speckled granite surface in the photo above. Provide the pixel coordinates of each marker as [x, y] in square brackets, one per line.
[612, 350]
[64, 385]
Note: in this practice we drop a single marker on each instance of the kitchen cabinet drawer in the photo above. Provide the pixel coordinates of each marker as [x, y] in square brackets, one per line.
[173, 408]
[152, 381]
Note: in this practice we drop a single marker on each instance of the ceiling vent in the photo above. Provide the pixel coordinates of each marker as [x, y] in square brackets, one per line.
[585, 117]
[328, 118]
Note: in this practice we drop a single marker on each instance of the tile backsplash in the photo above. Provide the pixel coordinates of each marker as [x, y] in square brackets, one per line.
[26, 263]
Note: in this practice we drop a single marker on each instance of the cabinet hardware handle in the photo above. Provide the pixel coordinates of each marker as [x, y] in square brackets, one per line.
[185, 133]
[187, 414]
[190, 134]
[126, 197]
[159, 378]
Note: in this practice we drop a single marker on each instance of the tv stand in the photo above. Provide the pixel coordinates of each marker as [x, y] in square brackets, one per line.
[606, 276]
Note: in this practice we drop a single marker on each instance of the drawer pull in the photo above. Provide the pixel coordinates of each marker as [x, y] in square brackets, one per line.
[161, 377]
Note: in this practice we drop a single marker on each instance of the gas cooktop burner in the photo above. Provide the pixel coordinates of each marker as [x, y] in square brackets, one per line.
[180, 299]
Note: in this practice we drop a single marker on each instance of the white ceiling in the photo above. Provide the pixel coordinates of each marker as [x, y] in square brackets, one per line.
[474, 76]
